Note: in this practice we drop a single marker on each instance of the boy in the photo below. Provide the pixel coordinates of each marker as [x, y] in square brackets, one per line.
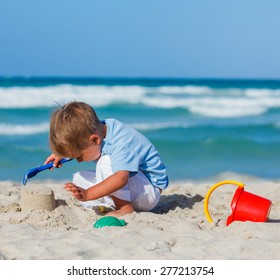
[129, 170]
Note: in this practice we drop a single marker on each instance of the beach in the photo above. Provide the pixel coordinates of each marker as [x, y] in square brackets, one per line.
[176, 229]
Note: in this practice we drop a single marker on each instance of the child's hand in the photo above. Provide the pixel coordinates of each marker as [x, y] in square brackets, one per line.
[79, 193]
[55, 159]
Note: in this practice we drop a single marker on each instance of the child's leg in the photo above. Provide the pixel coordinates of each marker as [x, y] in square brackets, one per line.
[103, 171]
[144, 196]
[86, 179]
[139, 194]
[122, 208]
[121, 197]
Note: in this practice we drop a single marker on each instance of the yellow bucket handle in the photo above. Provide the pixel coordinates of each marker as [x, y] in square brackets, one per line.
[206, 200]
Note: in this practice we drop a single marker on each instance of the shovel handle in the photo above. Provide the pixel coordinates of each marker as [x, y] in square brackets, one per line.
[50, 165]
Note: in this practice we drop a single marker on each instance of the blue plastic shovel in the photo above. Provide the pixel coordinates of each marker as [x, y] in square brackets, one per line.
[32, 172]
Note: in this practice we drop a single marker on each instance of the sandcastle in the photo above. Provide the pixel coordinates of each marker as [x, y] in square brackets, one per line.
[37, 197]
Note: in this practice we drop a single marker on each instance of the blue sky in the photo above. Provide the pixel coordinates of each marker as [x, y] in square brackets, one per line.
[144, 38]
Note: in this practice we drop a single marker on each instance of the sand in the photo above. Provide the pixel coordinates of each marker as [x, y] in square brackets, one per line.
[176, 229]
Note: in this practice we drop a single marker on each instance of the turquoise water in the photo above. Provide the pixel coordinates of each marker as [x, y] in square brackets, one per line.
[201, 127]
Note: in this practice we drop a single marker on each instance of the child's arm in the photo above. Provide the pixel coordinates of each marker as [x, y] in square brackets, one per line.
[106, 187]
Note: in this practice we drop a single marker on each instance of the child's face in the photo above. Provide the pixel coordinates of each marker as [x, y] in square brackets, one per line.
[92, 152]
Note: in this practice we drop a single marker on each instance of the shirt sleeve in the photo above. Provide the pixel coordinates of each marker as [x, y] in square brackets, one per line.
[125, 159]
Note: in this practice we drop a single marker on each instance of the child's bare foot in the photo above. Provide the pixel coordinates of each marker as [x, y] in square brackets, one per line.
[126, 209]
[122, 208]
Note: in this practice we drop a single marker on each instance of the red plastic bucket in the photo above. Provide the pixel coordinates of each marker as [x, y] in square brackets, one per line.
[245, 206]
[248, 207]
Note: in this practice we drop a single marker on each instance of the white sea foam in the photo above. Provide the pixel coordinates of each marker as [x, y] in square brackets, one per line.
[215, 107]
[159, 125]
[30, 97]
[184, 89]
[201, 100]
[227, 107]
[23, 129]
[260, 93]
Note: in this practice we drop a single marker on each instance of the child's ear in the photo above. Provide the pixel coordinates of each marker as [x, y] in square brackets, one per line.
[95, 139]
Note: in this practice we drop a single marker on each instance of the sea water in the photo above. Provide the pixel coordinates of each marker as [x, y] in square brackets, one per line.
[201, 127]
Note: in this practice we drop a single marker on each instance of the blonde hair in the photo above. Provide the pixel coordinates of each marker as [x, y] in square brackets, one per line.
[70, 128]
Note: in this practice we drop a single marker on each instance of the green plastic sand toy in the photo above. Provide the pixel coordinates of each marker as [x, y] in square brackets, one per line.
[109, 221]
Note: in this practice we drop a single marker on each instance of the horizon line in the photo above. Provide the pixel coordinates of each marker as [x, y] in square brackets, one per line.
[88, 77]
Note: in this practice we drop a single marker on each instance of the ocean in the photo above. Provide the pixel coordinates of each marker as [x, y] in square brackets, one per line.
[201, 127]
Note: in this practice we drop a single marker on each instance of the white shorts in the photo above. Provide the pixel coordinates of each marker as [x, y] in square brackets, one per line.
[139, 190]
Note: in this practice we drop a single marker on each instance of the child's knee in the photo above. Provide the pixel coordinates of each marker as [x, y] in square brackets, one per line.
[104, 168]
[84, 178]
